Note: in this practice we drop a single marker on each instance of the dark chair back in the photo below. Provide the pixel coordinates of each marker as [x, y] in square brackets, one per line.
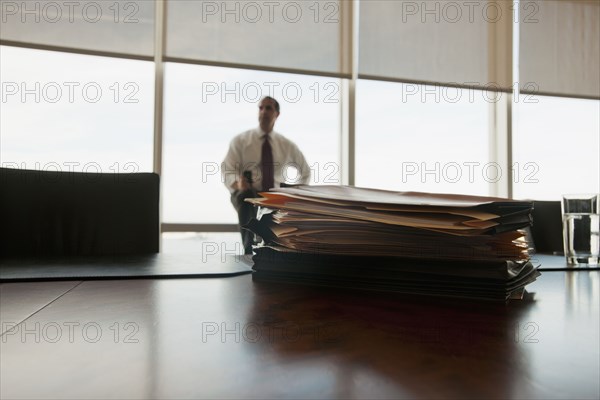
[547, 227]
[48, 213]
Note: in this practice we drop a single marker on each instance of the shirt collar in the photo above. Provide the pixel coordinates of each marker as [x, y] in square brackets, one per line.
[262, 133]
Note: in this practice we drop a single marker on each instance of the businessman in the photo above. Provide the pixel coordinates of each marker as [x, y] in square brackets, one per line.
[258, 160]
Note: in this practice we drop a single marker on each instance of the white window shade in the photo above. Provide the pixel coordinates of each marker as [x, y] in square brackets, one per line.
[560, 49]
[447, 43]
[116, 26]
[290, 35]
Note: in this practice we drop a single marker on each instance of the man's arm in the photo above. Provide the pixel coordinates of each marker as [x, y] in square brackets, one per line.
[230, 167]
[300, 161]
[232, 176]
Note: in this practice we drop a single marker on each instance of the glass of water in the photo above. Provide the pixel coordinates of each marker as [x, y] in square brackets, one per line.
[581, 228]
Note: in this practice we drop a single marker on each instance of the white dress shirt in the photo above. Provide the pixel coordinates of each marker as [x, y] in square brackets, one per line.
[245, 155]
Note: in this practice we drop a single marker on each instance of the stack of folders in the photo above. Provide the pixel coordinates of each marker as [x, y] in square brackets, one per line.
[409, 242]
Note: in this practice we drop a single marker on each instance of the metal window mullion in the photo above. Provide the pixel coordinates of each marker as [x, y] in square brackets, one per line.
[348, 101]
[500, 72]
[159, 47]
[74, 50]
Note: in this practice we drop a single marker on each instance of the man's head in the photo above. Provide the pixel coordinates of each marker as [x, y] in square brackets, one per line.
[268, 111]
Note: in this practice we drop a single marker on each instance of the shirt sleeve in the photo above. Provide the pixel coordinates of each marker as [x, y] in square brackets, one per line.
[300, 161]
[230, 165]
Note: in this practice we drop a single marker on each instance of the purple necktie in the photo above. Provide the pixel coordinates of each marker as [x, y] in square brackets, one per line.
[267, 165]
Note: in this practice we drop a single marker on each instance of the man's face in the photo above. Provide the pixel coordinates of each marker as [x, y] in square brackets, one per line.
[267, 114]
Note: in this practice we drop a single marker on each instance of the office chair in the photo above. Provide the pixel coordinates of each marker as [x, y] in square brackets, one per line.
[49, 213]
[547, 227]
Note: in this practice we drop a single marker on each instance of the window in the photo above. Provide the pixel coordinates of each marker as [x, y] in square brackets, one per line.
[423, 138]
[77, 113]
[205, 107]
[556, 147]
[67, 111]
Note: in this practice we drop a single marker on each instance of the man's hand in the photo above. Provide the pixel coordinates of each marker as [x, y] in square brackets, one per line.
[242, 184]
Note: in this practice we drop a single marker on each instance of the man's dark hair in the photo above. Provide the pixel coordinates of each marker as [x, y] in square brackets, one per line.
[274, 101]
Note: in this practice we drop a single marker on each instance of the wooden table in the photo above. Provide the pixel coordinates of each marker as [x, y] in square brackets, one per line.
[235, 338]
